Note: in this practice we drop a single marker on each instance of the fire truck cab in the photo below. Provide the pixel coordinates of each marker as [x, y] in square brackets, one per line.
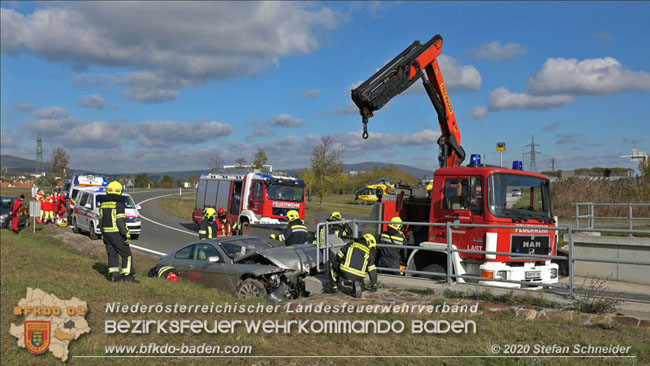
[253, 198]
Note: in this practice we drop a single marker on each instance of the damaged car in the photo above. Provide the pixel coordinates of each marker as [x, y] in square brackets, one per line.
[246, 265]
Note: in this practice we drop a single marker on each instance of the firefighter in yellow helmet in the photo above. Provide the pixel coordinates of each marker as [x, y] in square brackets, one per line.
[389, 257]
[208, 227]
[296, 231]
[336, 228]
[116, 235]
[352, 263]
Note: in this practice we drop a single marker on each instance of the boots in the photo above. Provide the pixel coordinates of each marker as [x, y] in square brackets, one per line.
[130, 279]
[115, 277]
[357, 289]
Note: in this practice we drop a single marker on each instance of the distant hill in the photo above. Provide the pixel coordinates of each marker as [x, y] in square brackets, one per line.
[366, 166]
[14, 163]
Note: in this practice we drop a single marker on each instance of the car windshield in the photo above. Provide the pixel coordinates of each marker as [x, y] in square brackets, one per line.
[128, 201]
[519, 197]
[6, 202]
[281, 192]
[238, 247]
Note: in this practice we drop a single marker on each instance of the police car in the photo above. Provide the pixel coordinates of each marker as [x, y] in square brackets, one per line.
[85, 216]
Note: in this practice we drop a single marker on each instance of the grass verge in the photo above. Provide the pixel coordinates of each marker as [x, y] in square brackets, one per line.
[41, 261]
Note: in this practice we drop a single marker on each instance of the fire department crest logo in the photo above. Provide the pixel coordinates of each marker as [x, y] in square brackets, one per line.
[37, 336]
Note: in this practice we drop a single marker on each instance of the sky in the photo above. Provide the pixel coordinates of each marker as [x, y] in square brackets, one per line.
[127, 87]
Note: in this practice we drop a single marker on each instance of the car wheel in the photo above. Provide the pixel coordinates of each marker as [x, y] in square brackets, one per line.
[251, 288]
[91, 234]
[75, 228]
[432, 268]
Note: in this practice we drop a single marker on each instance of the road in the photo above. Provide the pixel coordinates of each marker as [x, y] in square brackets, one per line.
[161, 232]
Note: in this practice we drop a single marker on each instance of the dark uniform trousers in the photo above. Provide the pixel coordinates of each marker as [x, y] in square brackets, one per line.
[115, 233]
[390, 257]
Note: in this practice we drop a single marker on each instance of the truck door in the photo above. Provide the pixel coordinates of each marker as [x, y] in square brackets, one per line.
[256, 200]
[462, 203]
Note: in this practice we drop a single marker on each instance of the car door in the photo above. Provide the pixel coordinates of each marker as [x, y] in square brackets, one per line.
[82, 211]
[184, 261]
[214, 275]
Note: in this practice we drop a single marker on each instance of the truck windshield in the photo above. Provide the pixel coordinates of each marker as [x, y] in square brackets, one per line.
[281, 192]
[128, 201]
[519, 197]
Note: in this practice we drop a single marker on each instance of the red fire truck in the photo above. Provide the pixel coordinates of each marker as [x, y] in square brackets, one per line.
[252, 198]
[472, 194]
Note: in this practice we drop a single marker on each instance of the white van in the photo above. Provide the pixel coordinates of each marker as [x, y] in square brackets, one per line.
[85, 216]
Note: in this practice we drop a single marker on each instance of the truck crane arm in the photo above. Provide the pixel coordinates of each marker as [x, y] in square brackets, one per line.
[397, 76]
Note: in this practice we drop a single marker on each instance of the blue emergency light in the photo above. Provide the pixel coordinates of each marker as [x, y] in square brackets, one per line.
[517, 165]
[475, 159]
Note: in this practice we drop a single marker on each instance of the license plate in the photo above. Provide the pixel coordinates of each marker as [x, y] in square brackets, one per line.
[533, 274]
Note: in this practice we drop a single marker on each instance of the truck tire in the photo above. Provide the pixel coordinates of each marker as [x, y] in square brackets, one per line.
[91, 234]
[432, 268]
[75, 228]
[251, 288]
[135, 236]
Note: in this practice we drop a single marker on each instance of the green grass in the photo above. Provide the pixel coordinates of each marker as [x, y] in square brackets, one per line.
[181, 207]
[40, 261]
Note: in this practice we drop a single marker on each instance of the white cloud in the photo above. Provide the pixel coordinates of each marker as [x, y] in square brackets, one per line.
[91, 101]
[502, 98]
[478, 113]
[169, 133]
[261, 129]
[457, 77]
[51, 113]
[598, 76]
[285, 120]
[24, 107]
[497, 52]
[313, 93]
[73, 133]
[169, 45]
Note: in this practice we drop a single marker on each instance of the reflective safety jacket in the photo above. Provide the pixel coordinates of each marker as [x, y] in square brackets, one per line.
[225, 228]
[392, 236]
[207, 230]
[343, 231]
[295, 233]
[161, 271]
[112, 218]
[355, 260]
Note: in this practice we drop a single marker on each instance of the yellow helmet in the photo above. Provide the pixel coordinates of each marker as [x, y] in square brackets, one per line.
[209, 212]
[336, 216]
[292, 215]
[370, 241]
[114, 187]
[396, 219]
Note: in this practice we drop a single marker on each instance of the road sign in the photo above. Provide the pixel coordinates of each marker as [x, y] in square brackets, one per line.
[501, 146]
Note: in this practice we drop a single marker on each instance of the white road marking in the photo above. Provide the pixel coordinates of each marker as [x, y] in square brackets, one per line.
[148, 250]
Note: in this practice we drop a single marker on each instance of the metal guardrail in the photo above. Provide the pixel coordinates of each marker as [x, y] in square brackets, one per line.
[449, 276]
[591, 218]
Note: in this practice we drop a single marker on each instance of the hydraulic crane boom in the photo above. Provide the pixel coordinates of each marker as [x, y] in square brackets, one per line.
[397, 76]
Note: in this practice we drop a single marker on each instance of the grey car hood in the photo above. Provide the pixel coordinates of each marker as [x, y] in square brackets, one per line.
[300, 258]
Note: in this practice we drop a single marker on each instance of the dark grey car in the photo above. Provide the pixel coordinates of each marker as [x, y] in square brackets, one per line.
[246, 265]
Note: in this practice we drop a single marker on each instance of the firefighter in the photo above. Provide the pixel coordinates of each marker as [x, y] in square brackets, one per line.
[16, 211]
[167, 272]
[296, 231]
[116, 235]
[352, 263]
[342, 230]
[225, 227]
[208, 228]
[390, 257]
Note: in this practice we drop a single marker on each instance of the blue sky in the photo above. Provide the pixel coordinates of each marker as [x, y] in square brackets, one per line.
[130, 87]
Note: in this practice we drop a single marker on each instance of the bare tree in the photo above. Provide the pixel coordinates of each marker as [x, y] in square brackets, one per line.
[215, 163]
[60, 161]
[240, 162]
[260, 160]
[326, 165]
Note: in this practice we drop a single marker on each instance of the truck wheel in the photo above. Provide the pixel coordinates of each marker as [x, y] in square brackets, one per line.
[75, 228]
[432, 268]
[91, 234]
[251, 288]
[135, 236]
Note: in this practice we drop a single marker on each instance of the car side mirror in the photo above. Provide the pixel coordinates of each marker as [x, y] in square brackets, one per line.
[214, 259]
[138, 207]
[88, 205]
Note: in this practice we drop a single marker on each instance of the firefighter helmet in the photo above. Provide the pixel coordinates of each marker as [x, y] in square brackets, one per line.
[370, 241]
[397, 223]
[114, 187]
[292, 215]
[336, 216]
[222, 213]
[209, 212]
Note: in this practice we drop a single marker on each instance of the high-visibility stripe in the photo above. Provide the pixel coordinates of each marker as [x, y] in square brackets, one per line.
[341, 254]
[397, 238]
[299, 227]
[113, 269]
[126, 270]
[353, 271]
[209, 232]
[163, 270]
[372, 268]
[201, 231]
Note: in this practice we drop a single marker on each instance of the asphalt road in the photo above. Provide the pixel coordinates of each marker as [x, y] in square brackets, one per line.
[161, 232]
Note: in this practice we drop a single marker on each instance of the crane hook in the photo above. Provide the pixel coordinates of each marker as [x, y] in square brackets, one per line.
[365, 128]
